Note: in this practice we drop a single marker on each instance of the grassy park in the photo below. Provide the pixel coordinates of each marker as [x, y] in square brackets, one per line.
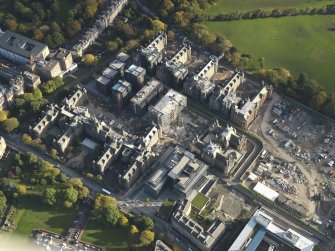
[243, 5]
[301, 44]
[32, 214]
[112, 238]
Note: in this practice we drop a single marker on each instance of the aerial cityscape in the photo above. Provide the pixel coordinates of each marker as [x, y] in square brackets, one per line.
[167, 125]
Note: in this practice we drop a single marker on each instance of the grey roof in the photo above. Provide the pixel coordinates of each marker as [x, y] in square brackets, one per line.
[21, 45]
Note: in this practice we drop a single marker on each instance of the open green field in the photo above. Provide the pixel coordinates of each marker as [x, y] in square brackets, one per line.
[300, 44]
[248, 5]
[114, 239]
[32, 214]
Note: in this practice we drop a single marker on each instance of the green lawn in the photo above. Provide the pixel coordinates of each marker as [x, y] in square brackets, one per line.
[32, 214]
[301, 44]
[165, 209]
[248, 5]
[111, 238]
[200, 201]
[114, 239]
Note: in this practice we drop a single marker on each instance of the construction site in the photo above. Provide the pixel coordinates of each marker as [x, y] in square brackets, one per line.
[299, 158]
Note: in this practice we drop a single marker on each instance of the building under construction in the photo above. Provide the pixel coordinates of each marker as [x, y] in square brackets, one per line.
[167, 110]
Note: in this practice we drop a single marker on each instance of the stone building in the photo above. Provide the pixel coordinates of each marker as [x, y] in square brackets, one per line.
[245, 114]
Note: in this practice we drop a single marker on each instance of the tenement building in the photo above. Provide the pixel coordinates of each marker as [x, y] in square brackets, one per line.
[150, 56]
[174, 71]
[200, 86]
[243, 115]
[224, 97]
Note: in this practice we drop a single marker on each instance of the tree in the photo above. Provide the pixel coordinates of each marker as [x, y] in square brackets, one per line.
[61, 177]
[3, 202]
[123, 221]
[329, 107]
[133, 230]
[103, 201]
[55, 39]
[318, 100]
[31, 159]
[147, 237]
[111, 215]
[3, 115]
[52, 85]
[89, 59]
[21, 189]
[158, 25]
[168, 5]
[38, 35]
[83, 192]
[53, 152]
[26, 138]
[145, 223]
[112, 46]
[49, 196]
[70, 194]
[9, 125]
[75, 182]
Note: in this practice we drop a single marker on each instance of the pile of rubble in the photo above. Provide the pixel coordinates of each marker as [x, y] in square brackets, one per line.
[290, 170]
[284, 186]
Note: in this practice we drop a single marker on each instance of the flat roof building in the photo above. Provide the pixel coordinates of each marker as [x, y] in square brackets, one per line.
[202, 238]
[21, 49]
[181, 168]
[263, 232]
[136, 75]
[266, 191]
[121, 93]
[144, 98]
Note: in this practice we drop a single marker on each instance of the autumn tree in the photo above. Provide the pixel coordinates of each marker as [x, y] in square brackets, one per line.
[147, 237]
[9, 125]
[3, 201]
[133, 230]
[3, 115]
[112, 46]
[111, 215]
[49, 196]
[26, 138]
[103, 201]
[318, 100]
[89, 59]
[21, 189]
[123, 221]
